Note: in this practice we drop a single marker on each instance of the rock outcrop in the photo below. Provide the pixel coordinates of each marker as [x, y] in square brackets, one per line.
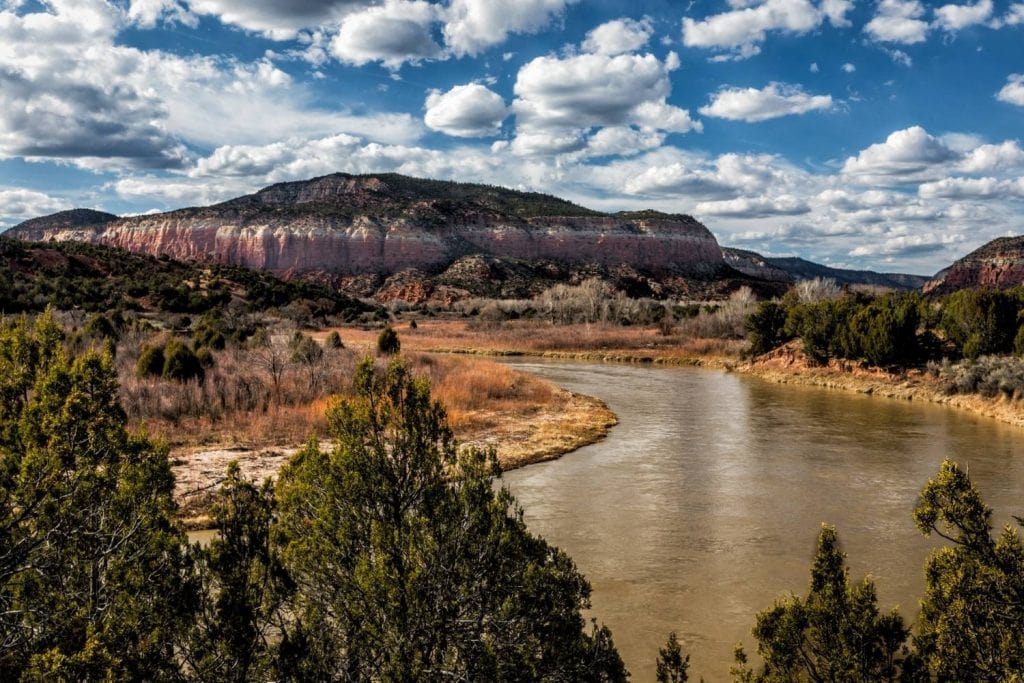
[343, 227]
[998, 264]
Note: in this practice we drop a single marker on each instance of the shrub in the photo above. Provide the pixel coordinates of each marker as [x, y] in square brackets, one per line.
[101, 327]
[151, 362]
[388, 343]
[333, 341]
[766, 327]
[181, 363]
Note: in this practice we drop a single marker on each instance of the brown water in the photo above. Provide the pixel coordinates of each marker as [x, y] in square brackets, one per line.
[703, 504]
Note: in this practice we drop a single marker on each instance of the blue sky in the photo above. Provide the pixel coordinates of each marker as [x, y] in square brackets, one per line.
[865, 133]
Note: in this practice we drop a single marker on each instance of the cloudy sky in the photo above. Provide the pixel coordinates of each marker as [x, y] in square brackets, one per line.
[868, 133]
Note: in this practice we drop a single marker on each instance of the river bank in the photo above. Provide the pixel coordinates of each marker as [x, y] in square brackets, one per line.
[524, 418]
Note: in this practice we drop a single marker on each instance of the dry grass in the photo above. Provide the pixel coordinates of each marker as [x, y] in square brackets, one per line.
[532, 337]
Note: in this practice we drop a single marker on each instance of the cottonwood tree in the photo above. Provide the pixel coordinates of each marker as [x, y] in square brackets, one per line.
[836, 633]
[93, 574]
[971, 626]
[409, 564]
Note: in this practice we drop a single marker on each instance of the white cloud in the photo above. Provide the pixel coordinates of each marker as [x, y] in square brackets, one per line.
[465, 111]
[814, 68]
[898, 21]
[772, 101]
[619, 36]
[747, 25]
[560, 99]
[474, 25]
[973, 188]
[277, 19]
[849, 68]
[1013, 91]
[147, 13]
[987, 158]
[956, 17]
[393, 33]
[17, 204]
[1014, 15]
[904, 156]
[754, 207]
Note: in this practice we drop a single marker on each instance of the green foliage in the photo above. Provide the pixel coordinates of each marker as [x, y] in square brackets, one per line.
[980, 321]
[413, 566]
[234, 636]
[387, 342]
[818, 326]
[101, 327]
[333, 341]
[971, 626]
[886, 330]
[73, 275]
[181, 363]
[93, 578]
[766, 327]
[672, 665]
[151, 362]
[834, 634]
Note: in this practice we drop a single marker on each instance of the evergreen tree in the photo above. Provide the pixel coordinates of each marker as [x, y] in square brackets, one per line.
[672, 664]
[409, 564]
[388, 343]
[834, 634]
[235, 635]
[971, 626]
[93, 573]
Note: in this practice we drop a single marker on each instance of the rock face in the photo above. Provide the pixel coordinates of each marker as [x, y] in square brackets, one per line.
[998, 264]
[793, 269]
[343, 226]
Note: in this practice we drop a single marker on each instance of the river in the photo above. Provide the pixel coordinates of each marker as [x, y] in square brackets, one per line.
[703, 505]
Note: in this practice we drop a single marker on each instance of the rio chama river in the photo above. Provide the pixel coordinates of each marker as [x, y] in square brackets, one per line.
[703, 505]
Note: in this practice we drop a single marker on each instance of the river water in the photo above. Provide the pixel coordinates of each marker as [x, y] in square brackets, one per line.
[703, 505]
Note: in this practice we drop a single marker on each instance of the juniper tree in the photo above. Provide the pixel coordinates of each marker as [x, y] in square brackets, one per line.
[410, 565]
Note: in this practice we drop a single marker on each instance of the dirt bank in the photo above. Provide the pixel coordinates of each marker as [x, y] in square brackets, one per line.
[788, 365]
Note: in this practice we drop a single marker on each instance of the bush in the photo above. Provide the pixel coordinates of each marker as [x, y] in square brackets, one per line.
[388, 343]
[333, 341]
[766, 327]
[181, 363]
[151, 362]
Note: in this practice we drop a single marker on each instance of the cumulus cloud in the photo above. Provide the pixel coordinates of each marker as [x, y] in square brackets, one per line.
[474, 25]
[954, 17]
[148, 13]
[277, 19]
[754, 207]
[619, 36]
[772, 101]
[905, 155]
[1013, 91]
[984, 158]
[743, 29]
[973, 188]
[898, 21]
[18, 204]
[396, 32]
[465, 111]
[561, 99]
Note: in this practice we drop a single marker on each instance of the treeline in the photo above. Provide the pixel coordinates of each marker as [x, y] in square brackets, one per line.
[896, 329]
[391, 556]
[94, 278]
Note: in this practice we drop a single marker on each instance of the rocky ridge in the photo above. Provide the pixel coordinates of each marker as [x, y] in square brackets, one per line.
[359, 231]
[792, 269]
[998, 264]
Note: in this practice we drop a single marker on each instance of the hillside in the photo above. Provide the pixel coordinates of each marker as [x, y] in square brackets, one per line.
[401, 237]
[71, 275]
[794, 269]
[999, 264]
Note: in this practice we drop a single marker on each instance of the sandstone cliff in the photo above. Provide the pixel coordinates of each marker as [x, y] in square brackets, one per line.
[999, 264]
[345, 228]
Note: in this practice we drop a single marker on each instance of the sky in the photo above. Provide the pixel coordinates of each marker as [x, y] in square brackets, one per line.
[881, 134]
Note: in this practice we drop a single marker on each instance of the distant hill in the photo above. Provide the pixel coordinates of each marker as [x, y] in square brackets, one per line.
[89, 277]
[793, 269]
[360, 232]
[998, 264]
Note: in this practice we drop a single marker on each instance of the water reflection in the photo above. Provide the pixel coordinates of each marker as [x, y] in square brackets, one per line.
[703, 505]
